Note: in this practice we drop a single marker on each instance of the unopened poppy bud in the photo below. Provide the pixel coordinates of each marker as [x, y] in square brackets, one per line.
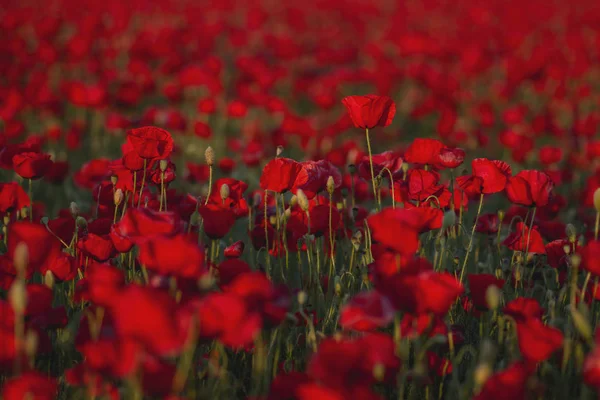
[337, 286]
[278, 151]
[449, 219]
[21, 259]
[31, 343]
[24, 212]
[597, 200]
[206, 281]
[293, 201]
[209, 156]
[17, 296]
[330, 185]
[575, 260]
[302, 200]
[224, 191]
[118, 197]
[49, 279]
[339, 206]
[405, 167]
[81, 222]
[74, 208]
[163, 164]
[195, 218]
[481, 375]
[352, 169]
[501, 215]
[493, 297]
[6, 220]
[379, 372]
[114, 179]
[272, 219]
[302, 297]
[571, 233]
[567, 249]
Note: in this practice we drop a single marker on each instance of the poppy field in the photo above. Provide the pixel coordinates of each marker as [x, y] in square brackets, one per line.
[327, 200]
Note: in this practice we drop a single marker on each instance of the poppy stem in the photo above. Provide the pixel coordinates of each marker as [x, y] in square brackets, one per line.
[462, 272]
[266, 221]
[597, 225]
[162, 189]
[143, 182]
[30, 201]
[529, 234]
[210, 176]
[371, 166]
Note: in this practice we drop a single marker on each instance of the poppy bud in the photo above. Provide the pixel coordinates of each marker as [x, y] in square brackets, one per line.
[206, 281]
[273, 220]
[224, 191]
[567, 249]
[405, 167]
[278, 151]
[209, 156]
[302, 200]
[581, 323]
[6, 220]
[352, 169]
[24, 213]
[330, 185]
[379, 372]
[114, 179]
[575, 260]
[302, 297]
[501, 215]
[597, 200]
[74, 208]
[31, 344]
[81, 222]
[195, 218]
[449, 219]
[493, 297]
[337, 286]
[21, 259]
[571, 233]
[481, 375]
[17, 297]
[118, 197]
[163, 164]
[293, 201]
[49, 279]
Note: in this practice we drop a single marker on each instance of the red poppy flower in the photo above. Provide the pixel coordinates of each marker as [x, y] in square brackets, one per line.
[487, 177]
[537, 341]
[280, 174]
[478, 286]
[424, 151]
[422, 184]
[63, 267]
[151, 142]
[555, 252]
[101, 284]
[42, 246]
[139, 224]
[488, 224]
[97, 247]
[510, 383]
[529, 188]
[12, 197]
[234, 250]
[523, 308]
[386, 160]
[30, 385]
[367, 311]
[31, 165]
[522, 239]
[590, 257]
[217, 221]
[591, 368]
[450, 157]
[386, 224]
[314, 176]
[172, 256]
[370, 111]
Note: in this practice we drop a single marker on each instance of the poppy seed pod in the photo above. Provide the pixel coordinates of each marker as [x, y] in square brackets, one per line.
[49, 279]
[163, 164]
[118, 197]
[302, 200]
[17, 297]
[209, 156]
[597, 200]
[224, 191]
[493, 297]
[81, 222]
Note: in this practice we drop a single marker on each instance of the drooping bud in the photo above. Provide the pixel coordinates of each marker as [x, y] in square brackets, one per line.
[224, 191]
[597, 200]
[118, 197]
[293, 201]
[330, 185]
[21, 259]
[209, 156]
[302, 200]
[163, 164]
[17, 296]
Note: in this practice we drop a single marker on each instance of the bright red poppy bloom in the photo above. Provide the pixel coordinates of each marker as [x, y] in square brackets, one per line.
[370, 111]
[530, 188]
[424, 151]
[367, 311]
[537, 341]
[151, 142]
[478, 286]
[31, 165]
[522, 239]
[172, 255]
[280, 174]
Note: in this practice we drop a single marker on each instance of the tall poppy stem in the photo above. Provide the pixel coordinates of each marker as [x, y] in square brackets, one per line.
[529, 234]
[462, 272]
[371, 166]
[143, 182]
[30, 201]
[162, 190]
[210, 174]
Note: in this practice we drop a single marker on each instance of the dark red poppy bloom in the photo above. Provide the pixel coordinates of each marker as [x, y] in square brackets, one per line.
[12, 197]
[139, 224]
[42, 246]
[478, 286]
[30, 385]
[280, 174]
[313, 177]
[424, 151]
[151, 142]
[234, 250]
[488, 224]
[30, 165]
[386, 224]
[370, 111]
[487, 177]
[590, 257]
[537, 341]
[450, 157]
[367, 311]
[510, 383]
[523, 308]
[97, 247]
[101, 284]
[217, 221]
[422, 184]
[530, 188]
[63, 267]
[522, 239]
[386, 160]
